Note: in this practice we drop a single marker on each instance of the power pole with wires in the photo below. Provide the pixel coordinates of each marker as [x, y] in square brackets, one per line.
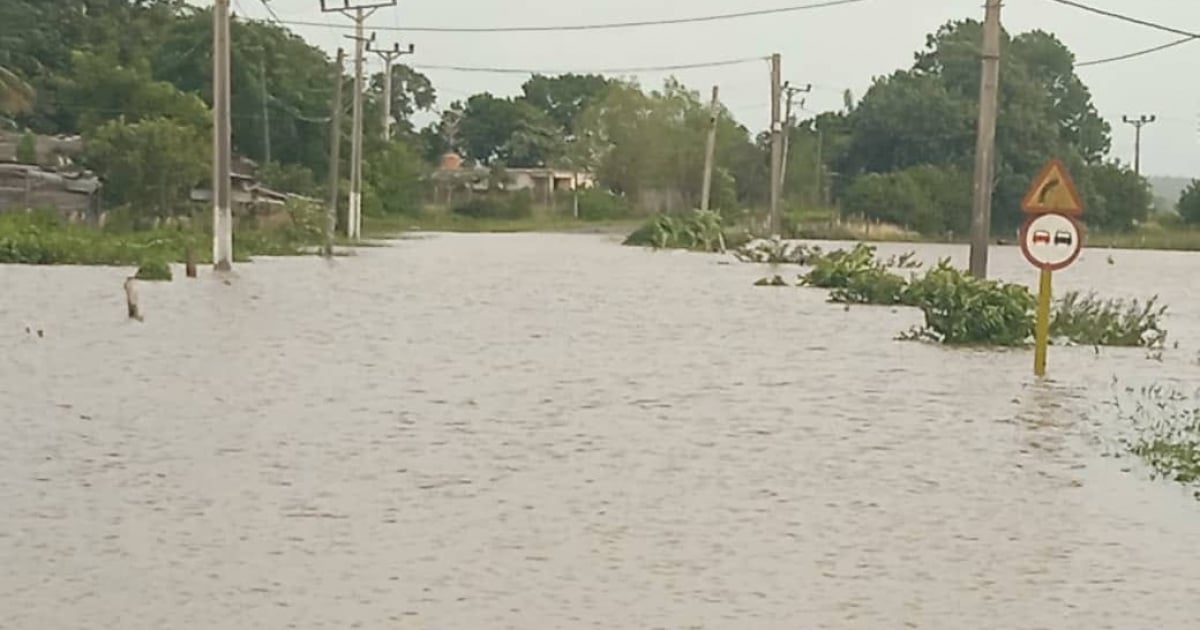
[790, 125]
[776, 142]
[222, 141]
[985, 141]
[359, 12]
[389, 56]
[1138, 123]
[335, 153]
[710, 149]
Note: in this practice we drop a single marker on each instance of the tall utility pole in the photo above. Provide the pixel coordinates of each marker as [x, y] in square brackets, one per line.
[266, 111]
[776, 141]
[222, 141]
[1138, 123]
[389, 56]
[335, 153]
[359, 11]
[710, 149]
[790, 125]
[985, 141]
[820, 166]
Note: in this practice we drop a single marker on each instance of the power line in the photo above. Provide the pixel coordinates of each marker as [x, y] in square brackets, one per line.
[668, 68]
[596, 27]
[1135, 54]
[1127, 18]
[275, 16]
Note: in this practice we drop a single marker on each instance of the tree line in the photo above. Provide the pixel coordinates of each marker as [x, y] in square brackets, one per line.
[133, 77]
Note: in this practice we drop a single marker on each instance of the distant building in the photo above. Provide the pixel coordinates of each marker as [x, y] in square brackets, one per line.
[250, 199]
[76, 196]
[451, 175]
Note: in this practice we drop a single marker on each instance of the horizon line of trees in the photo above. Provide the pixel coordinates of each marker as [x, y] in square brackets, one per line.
[134, 78]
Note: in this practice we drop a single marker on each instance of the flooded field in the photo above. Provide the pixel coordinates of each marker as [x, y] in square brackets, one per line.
[547, 431]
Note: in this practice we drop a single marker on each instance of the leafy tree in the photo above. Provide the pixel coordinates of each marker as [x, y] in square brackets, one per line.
[102, 90]
[151, 164]
[565, 97]
[1189, 203]
[1116, 197]
[290, 178]
[16, 96]
[412, 91]
[394, 180]
[510, 130]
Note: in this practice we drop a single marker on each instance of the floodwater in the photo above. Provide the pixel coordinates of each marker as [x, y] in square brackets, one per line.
[550, 431]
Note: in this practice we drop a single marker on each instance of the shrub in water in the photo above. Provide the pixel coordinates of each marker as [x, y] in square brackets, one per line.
[154, 270]
[1166, 433]
[1087, 319]
[961, 309]
[700, 230]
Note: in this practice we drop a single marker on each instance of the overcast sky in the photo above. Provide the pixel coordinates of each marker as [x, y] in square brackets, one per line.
[832, 48]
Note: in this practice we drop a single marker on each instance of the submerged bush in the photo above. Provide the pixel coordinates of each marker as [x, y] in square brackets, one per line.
[1166, 434]
[857, 277]
[156, 270]
[1087, 319]
[699, 230]
[960, 309]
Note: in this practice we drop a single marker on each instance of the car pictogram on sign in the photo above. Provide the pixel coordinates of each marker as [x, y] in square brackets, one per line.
[1063, 238]
[1041, 236]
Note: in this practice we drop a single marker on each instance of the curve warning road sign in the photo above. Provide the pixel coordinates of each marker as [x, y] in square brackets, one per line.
[1051, 241]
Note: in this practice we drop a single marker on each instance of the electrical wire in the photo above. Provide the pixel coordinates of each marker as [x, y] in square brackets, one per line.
[1127, 18]
[596, 27]
[667, 68]
[275, 16]
[1135, 54]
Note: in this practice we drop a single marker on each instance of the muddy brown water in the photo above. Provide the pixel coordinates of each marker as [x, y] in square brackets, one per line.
[551, 431]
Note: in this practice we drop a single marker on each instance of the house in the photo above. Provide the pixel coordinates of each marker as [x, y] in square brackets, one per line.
[76, 196]
[58, 151]
[452, 175]
[250, 199]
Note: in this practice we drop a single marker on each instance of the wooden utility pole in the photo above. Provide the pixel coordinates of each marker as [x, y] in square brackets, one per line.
[789, 126]
[335, 153]
[985, 141]
[820, 166]
[710, 149]
[1138, 123]
[776, 141]
[222, 141]
[389, 56]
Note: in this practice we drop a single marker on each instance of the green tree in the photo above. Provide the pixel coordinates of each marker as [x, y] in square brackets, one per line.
[565, 97]
[27, 149]
[412, 92]
[510, 130]
[394, 178]
[1116, 197]
[101, 90]
[16, 96]
[150, 165]
[1189, 203]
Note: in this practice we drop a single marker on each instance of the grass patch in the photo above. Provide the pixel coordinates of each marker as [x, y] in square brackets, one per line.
[38, 238]
[1166, 434]
[1087, 319]
[437, 221]
[154, 270]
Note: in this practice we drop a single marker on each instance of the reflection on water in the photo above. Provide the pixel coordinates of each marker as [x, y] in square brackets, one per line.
[539, 431]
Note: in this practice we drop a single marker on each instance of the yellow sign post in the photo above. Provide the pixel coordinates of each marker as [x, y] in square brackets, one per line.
[1051, 239]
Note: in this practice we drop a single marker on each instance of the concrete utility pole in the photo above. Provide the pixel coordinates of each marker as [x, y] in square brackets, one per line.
[776, 141]
[389, 56]
[985, 141]
[335, 153]
[222, 141]
[266, 112]
[790, 125]
[710, 150]
[1138, 123]
[820, 166]
[359, 11]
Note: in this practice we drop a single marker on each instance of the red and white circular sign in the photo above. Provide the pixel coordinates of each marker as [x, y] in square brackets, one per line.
[1051, 241]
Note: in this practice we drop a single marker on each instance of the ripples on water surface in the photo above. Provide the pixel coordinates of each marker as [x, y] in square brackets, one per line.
[541, 431]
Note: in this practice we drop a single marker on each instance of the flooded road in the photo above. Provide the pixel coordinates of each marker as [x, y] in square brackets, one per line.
[548, 431]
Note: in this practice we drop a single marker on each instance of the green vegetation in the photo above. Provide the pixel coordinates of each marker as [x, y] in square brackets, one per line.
[1166, 434]
[497, 206]
[962, 310]
[1189, 203]
[1089, 320]
[700, 230]
[40, 238]
[156, 270]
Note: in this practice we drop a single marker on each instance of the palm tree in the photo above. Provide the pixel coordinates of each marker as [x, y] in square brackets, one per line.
[16, 96]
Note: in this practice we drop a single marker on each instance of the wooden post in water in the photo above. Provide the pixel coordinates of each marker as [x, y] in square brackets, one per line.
[131, 299]
[189, 258]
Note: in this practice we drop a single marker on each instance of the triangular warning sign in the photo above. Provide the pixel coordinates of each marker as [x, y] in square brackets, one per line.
[1053, 190]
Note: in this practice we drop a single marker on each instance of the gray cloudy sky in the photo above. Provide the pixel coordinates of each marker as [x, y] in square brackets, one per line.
[832, 48]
